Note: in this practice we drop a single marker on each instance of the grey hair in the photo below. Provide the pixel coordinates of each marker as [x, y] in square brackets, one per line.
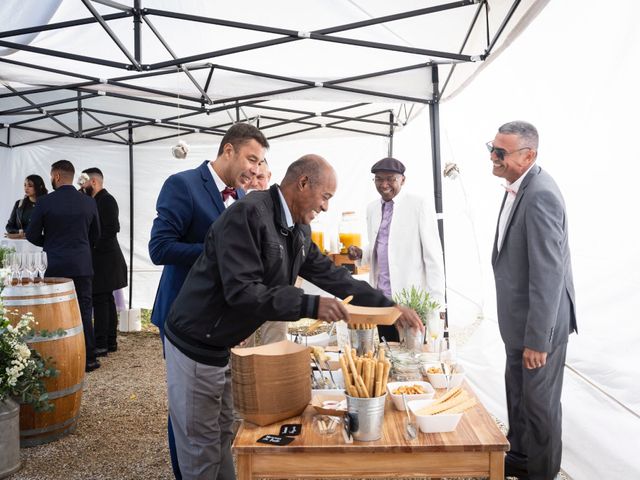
[526, 131]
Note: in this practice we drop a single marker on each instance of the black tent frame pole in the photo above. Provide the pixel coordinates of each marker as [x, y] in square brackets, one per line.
[434, 128]
[131, 220]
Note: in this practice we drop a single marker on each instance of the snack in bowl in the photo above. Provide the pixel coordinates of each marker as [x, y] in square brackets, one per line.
[397, 388]
[443, 413]
[439, 379]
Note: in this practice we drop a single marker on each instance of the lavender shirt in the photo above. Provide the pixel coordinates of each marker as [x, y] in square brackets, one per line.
[382, 249]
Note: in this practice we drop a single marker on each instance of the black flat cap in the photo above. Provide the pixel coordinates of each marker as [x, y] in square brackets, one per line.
[388, 164]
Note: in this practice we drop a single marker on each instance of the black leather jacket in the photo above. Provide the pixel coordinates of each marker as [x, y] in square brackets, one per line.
[20, 215]
[245, 277]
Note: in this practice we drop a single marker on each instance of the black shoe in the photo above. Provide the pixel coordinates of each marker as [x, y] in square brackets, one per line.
[113, 348]
[101, 352]
[91, 366]
[511, 470]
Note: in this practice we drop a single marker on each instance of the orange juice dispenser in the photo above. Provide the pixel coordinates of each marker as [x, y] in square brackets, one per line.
[349, 234]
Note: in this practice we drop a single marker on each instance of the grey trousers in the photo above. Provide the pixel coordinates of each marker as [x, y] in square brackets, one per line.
[201, 411]
[535, 413]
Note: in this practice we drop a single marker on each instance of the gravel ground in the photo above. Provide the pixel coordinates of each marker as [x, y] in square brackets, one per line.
[121, 433]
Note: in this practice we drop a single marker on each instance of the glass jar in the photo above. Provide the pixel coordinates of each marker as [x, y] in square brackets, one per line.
[317, 234]
[349, 231]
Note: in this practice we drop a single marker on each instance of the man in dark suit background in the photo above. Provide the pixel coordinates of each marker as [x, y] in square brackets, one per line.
[109, 266]
[65, 223]
[536, 301]
[187, 205]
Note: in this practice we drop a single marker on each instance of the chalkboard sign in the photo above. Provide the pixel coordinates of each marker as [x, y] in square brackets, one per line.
[291, 429]
[275, 440]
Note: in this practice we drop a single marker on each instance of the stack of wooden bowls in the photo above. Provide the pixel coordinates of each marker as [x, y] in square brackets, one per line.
[271, 382]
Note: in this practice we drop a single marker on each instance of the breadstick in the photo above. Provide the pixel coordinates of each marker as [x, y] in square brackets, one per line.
[366, 376]
[357, 380]
[440, 407]
[345, 372]
[353, 391]
[385, 375]
[372, 378]
[379, 373]
[466, 405]
[451, 393]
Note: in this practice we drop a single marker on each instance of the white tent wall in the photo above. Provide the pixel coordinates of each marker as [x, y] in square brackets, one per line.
[573, 73]
[580, 89]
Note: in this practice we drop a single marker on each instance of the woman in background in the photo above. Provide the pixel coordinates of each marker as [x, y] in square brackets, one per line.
[23, 208]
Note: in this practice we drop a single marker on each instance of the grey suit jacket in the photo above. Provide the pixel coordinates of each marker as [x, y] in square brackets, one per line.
[532, 270]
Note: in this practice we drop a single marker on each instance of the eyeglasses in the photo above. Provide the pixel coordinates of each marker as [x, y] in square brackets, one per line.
[501, 152]
[390, 179]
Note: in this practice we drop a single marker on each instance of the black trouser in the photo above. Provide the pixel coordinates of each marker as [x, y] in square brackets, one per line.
[535, 413]
[83, 292]
[105, 320]
[389, 332]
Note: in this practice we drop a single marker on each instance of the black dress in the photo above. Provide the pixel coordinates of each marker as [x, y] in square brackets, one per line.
[20, 215]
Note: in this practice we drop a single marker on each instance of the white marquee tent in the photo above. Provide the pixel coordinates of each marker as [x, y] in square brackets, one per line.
[358, 93]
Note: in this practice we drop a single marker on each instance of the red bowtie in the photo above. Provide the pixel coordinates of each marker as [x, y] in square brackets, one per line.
[229, 192]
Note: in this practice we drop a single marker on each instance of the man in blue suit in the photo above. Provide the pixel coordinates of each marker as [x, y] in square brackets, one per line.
[65, 223]
[187, 205]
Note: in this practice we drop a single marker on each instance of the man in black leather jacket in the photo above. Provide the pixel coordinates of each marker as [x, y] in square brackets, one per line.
[252, 256]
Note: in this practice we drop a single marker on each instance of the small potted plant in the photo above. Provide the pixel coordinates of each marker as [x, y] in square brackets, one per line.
[424, 305]
[22, 374]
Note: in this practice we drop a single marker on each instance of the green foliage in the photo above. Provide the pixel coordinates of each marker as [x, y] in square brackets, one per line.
[417, 299]
[4, 251]
[22, 369]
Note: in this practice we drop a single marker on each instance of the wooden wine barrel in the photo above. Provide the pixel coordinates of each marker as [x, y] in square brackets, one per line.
[55, 306]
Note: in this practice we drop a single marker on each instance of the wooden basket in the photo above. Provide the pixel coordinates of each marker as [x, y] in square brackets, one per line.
[271, 382]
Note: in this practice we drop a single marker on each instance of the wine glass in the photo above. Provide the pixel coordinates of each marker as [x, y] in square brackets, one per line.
[6, 264]
[29, 260]
[16, 268]
[41, 264]
[447, 356]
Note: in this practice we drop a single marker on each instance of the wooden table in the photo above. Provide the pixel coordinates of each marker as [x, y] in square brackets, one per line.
[475, 448]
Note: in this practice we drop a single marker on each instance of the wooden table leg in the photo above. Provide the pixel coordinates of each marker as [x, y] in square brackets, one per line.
[244, 467]
[496, 466]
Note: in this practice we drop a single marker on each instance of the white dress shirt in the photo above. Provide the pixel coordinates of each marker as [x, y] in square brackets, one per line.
[512, 189]
[220, 185]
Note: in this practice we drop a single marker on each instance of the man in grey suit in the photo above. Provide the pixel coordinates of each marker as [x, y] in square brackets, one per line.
[536, 307]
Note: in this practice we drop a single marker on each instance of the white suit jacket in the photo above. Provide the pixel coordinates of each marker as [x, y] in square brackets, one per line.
[415, 252]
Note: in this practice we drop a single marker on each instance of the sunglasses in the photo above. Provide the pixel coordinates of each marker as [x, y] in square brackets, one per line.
[501, 152]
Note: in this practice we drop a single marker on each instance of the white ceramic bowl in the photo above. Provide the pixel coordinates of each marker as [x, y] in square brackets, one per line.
[433, 423]
[397, 398]
[439, 380]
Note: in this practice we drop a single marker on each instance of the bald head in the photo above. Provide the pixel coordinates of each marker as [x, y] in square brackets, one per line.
[307, 187]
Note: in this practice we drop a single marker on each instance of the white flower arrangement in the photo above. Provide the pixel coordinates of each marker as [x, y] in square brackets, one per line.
[22, 370]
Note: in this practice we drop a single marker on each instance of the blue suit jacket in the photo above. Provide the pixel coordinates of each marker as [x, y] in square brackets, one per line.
[187, 205]
[66, 224]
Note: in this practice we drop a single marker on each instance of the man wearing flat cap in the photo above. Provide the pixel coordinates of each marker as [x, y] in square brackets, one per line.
[404, 246]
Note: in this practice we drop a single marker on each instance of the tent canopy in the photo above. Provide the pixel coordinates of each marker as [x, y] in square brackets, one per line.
[91, 69]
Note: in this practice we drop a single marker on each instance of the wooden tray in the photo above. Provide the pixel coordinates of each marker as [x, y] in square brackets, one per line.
[374, 315]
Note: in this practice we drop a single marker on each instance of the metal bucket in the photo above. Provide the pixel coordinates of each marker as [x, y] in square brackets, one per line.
[366, 417]
[362, 340]
[10, 438]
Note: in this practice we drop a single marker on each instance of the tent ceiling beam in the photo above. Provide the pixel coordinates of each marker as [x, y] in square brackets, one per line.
[56, 26]
[112, 4]
[97, 120]
[501, 28]
[155, 31]
[295, 132]
[46, 104]
[472, 25]
[111, 33]
[69, 56]
[46, 114]
[46, 89]
[51, 70]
